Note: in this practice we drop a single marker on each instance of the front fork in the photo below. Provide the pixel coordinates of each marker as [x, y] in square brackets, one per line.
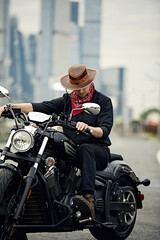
[7, 147]
[30, 176]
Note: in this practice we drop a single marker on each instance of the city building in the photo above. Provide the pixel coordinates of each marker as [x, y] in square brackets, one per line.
[70, 34]
[4, 43]
[21, 88]
[74, 16]
[13, 73]
[74, 51]
[30, 47]
[52, 49]
[15, 49]
[113, 82]
[90, 38]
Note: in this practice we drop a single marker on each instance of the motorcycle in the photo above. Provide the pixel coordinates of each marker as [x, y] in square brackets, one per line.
[39, 178]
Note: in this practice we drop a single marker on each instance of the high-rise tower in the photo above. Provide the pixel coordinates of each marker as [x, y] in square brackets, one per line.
[4, 43]
[90, 35]
[53, 47]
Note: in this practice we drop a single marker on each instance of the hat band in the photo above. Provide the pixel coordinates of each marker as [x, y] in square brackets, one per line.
[79, 80]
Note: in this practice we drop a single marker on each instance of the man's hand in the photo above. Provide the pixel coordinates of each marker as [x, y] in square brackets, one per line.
[97, 132]
[2, 110]
[25, 107]
[81, 126]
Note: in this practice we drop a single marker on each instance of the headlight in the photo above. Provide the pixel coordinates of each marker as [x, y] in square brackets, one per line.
[22, 140]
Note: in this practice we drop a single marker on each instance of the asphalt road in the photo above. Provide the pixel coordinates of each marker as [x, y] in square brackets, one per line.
[140, 154]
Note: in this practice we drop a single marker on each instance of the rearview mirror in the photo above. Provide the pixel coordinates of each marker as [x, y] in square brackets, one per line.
[4, 92]
[92, 108]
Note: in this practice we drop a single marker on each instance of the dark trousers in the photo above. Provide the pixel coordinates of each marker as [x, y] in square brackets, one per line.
[92, 157]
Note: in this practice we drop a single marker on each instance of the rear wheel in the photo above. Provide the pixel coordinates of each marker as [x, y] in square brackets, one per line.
[9, 184]
[126, 219]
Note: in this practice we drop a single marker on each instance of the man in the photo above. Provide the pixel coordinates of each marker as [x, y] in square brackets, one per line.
[93, 149]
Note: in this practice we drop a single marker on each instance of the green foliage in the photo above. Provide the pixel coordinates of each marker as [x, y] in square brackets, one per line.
[145, 114]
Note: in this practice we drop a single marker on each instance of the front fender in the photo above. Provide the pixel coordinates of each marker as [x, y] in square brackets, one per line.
[9, 174]
[12, 168]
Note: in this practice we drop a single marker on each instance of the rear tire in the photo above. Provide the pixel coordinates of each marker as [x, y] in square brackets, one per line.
[120, 232]
[9, 184]
[19, 236]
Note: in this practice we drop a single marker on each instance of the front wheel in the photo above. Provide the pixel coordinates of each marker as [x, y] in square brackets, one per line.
[122, 231]
[9, 185]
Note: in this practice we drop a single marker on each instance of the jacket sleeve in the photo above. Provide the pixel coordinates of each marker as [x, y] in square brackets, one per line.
[105, 117]
[49, 107]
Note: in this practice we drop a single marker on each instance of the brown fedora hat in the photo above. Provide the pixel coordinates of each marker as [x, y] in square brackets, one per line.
[78, 77]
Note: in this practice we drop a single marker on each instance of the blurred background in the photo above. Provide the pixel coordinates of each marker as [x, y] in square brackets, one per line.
[40, 39]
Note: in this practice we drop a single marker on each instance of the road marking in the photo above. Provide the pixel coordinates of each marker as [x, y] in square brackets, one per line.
[158, 156]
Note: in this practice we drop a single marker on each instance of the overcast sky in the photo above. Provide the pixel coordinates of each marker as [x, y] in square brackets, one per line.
[130, 38]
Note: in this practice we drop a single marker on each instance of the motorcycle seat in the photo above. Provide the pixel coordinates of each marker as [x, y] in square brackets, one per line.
[107, 173]
[115, 156]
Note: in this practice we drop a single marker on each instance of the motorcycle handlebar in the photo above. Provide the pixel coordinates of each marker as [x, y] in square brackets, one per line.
[88, 131]
[63, 119]
[8, 114]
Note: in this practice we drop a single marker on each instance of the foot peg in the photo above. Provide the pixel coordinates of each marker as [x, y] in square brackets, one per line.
[85, 220]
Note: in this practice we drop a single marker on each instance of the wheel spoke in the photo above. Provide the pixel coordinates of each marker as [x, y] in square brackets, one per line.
[126, 217]
[131, 215]
[128, 197]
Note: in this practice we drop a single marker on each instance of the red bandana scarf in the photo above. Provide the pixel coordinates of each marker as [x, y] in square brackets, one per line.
[77, 101]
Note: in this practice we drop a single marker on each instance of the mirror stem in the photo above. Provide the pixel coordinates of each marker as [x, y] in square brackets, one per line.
[75, 109]
[70, 115]
[7, 97]
[11, 110]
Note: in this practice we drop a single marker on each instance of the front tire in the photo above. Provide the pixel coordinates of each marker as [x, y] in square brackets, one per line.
[120, 232]
[9, 185]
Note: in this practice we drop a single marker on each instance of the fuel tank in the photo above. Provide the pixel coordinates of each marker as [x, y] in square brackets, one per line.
[63, 144]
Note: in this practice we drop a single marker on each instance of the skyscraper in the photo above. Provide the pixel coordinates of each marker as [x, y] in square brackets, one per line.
[32, 42]
[90, 35]
[15, 55]
[74, 11]
[53, 47]
[21, 88]
[74, 52]
[113, 82]
[85, 34]
[4, 43]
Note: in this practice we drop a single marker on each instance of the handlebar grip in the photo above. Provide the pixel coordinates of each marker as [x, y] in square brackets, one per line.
[89, 131]
[7, 114]
[73, 124]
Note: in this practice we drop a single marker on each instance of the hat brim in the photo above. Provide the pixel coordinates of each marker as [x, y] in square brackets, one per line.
[92, 73]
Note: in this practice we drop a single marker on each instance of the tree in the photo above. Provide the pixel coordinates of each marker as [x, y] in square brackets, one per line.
[145, 114]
